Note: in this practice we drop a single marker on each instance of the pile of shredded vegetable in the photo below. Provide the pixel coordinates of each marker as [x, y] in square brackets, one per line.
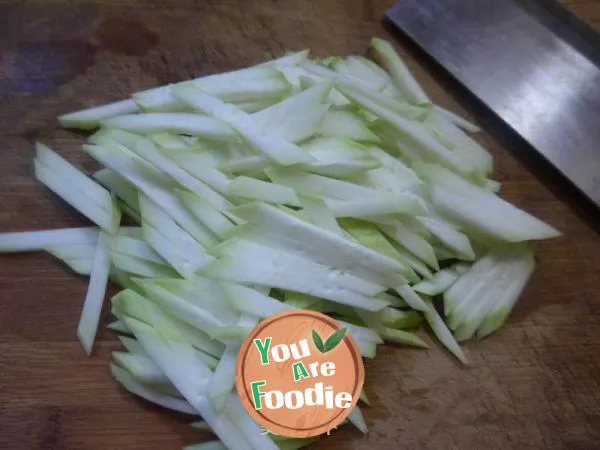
[333, 185]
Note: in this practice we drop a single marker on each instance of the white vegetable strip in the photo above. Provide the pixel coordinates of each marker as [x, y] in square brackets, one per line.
[122, 279]
[223, 381]
[193, 381]
[357, 419]
[480, 210]
[253, 189]
[455, 240]
[103, 217]
[478, 292]
[389, 334]
[249, 271]
[306, 80]
[398, 319]
[141, 367]
[443, 333]
[229, 334]
[119, 327]
[195, 163]
[416, 134]
[347, 84]
[145, 149]
[280, 260]
[183, 252]
[28, 241]
[393, 300]
[273, 87]
[381, 204]
[185, 123]
[344, 169]
[373, 75]
[442, 253]
[466, 147]
[369, 236]
[202, 292]
[120, 187]
[405, 81]
[320, 214]
[168, 141]
[289, 60]
[133, 247]
[375, 68]
[132, 345]
[149, 373]
[493, 186]
[461, 288]
[96, 193]
[411, 297]
[152, 185]
[75, 251]
[256, 106]
[457, 120]
[71, 195]
[186, 256]
[342, 123]
[378, 79]
[129, 302]
[441, 281]
[367, 349]
[412, 261]
[273, 146]
[478, 311]
[140, 267]
[137, 388]
[251, 430]
[412, 241]
[189, 375]
[322, 246]
[90, 118]
[182, 309]
[92, 305]
[490, 216]
[504, 305]
[250, 301]
[297, 117]
[245, 164]
[393, 176]
[318, 185]
[213, 219]
[229, 84]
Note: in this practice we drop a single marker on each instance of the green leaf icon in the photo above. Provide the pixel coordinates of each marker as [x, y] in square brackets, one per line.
[331, 342]
[334, 340]
[318, 341]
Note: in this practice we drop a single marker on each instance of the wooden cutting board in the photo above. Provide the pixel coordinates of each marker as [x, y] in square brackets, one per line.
[536, 384]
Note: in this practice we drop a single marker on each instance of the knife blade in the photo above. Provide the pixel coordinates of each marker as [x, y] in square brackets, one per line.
[540, 82]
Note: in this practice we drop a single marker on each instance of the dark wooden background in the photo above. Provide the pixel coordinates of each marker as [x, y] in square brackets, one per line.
[536, 384]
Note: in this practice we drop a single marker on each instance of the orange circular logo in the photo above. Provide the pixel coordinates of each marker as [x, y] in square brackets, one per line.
[299, 373]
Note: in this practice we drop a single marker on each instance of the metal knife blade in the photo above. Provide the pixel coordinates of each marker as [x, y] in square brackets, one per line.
[546, 89]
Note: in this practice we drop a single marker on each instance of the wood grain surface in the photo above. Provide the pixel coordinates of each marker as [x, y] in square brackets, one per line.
[536, 384]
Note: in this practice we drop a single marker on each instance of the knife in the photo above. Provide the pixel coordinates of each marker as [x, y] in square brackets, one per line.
[532, 62]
